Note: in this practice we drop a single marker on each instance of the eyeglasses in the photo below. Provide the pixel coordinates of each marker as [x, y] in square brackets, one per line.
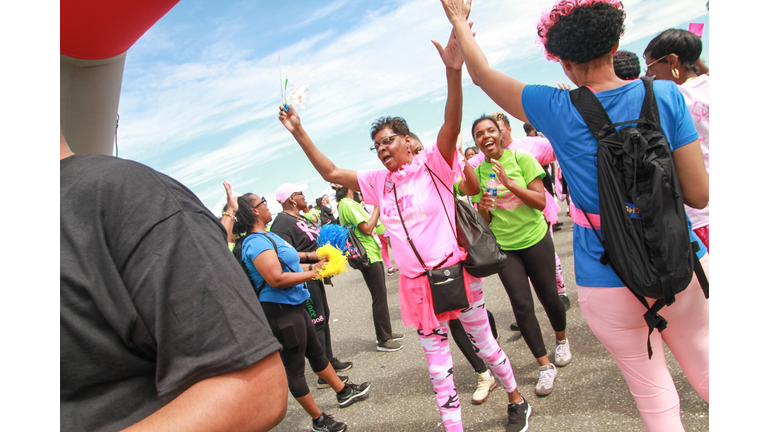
[384, 142]
[297, 193]
[649, 66]
[263, 200]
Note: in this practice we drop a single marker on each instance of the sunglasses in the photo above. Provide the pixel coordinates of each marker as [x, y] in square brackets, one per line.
[263, 200]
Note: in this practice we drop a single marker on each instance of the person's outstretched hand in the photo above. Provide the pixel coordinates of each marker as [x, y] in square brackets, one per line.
[232, 205]
[457, 10]
[564, 86]
[290, 119]
[451, 55]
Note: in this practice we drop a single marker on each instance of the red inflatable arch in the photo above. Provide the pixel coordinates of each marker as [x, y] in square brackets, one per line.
[95, 36]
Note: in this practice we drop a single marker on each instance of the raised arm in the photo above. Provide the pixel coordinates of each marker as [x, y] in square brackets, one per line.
[506, 91]
[449, 132]
[228, 220]
[323, 165]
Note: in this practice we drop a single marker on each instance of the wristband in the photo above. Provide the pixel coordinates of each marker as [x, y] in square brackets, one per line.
[310, 266]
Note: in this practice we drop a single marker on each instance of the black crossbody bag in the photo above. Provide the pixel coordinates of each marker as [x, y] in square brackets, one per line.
[446, 284]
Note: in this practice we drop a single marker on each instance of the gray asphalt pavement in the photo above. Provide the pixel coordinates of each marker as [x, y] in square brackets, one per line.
[590, 393]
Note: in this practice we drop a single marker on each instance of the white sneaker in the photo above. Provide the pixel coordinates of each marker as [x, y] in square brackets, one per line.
[562, 353]
[485, 385]
[546, 382]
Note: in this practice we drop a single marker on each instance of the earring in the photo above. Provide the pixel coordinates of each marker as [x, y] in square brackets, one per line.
[675, 73]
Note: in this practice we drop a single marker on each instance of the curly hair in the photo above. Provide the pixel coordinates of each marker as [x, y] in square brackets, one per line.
[626, 65]
[397, 124]
[685, 44]
[501, 117]
[245, 217]
[484, 117]
[580, 30]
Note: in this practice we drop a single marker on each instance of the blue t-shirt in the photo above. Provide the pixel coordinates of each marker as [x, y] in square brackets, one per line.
[550, 111]
[253, 246]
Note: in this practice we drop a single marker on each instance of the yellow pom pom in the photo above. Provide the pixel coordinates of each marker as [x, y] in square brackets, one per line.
[337, 261]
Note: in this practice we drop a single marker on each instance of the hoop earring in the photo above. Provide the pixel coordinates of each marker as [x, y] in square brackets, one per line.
[675, 73]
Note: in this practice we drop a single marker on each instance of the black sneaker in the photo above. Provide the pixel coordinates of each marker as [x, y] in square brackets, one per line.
[352, 393]
[517, 416]
[340, 366]
[321, 384]
[566, 301]
[514, 326]
[326, 423]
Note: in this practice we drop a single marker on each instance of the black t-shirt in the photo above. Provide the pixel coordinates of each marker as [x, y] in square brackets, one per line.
[152, 301]
[296, 231]
[326, 215]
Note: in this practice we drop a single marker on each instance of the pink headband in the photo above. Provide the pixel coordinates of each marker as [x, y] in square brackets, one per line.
[560, 9]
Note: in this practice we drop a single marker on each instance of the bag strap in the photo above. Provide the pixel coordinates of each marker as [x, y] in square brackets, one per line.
[699, 270]
[407, 236]
[432, 175]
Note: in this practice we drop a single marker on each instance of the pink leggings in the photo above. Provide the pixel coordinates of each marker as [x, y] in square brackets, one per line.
[622, 330]
[436, 348]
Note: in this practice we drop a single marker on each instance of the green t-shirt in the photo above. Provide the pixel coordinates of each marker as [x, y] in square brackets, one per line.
[353, 213]
[515, 224]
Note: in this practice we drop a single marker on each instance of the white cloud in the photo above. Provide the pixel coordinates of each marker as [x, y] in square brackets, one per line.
[355, 75]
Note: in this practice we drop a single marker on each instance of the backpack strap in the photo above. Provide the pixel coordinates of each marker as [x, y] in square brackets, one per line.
[699, 270]
[650, 111]
[591, 111]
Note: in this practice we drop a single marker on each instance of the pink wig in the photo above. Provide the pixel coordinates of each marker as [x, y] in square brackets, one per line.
[559, 10]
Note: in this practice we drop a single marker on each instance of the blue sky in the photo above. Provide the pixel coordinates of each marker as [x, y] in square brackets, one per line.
[201, 88]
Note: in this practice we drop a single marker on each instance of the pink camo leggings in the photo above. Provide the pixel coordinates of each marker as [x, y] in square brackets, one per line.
[438, 352]
[558, 267]
[622, 330]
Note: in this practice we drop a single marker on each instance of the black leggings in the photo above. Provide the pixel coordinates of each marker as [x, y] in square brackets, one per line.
[465, 345]
[317, 307]
[376, 282]
[293, 328]
[537, 263]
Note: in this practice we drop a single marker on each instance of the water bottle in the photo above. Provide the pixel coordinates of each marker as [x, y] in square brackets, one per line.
[492, 188]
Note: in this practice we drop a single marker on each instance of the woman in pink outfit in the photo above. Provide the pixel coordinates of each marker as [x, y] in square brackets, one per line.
[430, 229]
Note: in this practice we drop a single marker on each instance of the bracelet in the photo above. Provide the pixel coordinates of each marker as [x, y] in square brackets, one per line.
[310, 266]
[306, 257]
[230, 215]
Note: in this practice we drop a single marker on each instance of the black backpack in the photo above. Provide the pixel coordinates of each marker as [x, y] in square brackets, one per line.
[238, 252]
[642, 217]
[357, 257]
